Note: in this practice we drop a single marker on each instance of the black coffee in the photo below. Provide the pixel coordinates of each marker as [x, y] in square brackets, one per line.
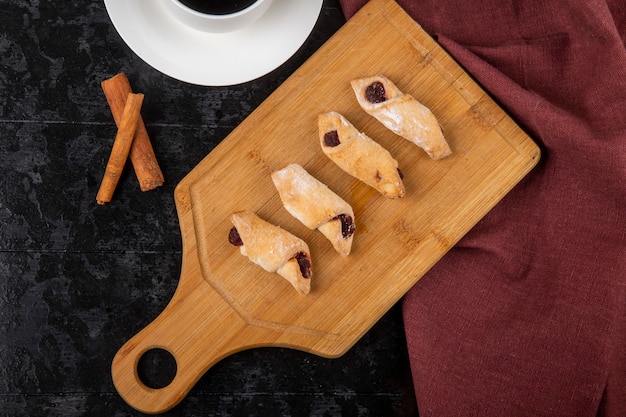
[217, 6]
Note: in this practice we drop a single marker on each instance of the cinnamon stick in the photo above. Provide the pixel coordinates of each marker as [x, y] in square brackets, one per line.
[121, 147]
[149, 175]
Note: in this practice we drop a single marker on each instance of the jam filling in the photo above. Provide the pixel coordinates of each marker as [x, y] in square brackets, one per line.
[347, 225]
[331, 139]
[234, 238]
[304, 263]
[375, 92]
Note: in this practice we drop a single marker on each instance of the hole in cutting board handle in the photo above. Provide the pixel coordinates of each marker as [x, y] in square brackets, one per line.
[156, 368]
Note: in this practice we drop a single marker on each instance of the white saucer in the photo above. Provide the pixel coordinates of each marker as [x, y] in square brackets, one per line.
[213, 59]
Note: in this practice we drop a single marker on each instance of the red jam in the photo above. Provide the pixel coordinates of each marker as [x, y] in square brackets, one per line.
[331, 139]
[375, 92]
[304, 263]
[347, 225]
[234, 238]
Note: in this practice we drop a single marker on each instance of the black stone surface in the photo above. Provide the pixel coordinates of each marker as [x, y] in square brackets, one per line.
[77, 280]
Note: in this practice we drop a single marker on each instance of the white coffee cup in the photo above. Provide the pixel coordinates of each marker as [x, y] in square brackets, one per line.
[217, 23]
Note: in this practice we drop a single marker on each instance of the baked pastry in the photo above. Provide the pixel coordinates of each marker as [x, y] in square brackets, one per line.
[272, 248]
[402, 114]
[316, 206]
[359, 155]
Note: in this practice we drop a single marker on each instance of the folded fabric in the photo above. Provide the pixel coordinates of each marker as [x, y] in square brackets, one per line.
[526, 316]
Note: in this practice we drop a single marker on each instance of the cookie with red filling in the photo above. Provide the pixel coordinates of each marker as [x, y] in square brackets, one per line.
[402, 114]
[316, 206]
[272, 248]
[359, 155]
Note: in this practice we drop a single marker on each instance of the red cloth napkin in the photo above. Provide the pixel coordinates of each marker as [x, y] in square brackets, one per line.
[526, 316]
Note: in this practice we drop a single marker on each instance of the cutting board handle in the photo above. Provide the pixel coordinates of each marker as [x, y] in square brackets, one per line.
[192, 328]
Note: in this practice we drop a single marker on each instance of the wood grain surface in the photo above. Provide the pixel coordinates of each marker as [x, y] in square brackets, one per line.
[224, 303]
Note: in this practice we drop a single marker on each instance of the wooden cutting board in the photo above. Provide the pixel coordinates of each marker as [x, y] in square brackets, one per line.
[225, 304]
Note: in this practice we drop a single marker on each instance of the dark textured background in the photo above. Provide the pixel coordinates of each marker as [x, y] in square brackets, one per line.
[77, 280]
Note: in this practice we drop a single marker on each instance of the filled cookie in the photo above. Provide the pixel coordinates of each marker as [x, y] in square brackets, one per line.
[402, 114]
[272, 248]
[316, 206]
[359, 155]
